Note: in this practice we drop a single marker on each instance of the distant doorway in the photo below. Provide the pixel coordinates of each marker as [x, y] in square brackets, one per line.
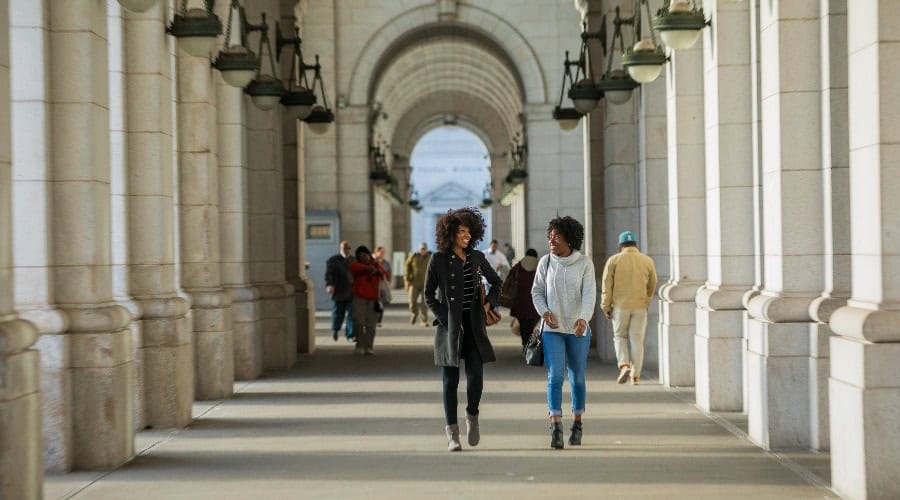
[450, 169]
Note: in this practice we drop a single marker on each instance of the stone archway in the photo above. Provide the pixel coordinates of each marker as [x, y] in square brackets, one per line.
[474, 19]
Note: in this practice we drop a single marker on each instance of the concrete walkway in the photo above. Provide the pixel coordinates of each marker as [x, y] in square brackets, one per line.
[339, 426]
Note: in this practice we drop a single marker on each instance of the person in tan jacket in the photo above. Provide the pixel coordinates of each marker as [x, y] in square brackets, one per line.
[414, 279]
[629, 281]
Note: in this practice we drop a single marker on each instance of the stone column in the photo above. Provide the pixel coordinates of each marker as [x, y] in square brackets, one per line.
[836, 228]
[718, 344]
[21, 465]
[295, 233]
[99, 351]
[119, 199]
[778, 326]
[687, 211]
[653, 183]
[382, 220]
[198, 186]
[234, 217]
[278, 318]
[555, 159]
[864, 392]
[32, 246]
[401, 215]
[166, 349]
[357, 198]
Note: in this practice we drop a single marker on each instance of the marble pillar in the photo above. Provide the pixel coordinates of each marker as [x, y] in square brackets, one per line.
[234, 224]
[99, 354]
[119, 191]
[198, 185]
[718, 344]
[166, 349]
[277, 313]
[687, 211]
[653, 196]
[778, 349]
[21, 464]
[401, 215]
[295, 190]
[864, 392]
[32, 246]
[836, 223]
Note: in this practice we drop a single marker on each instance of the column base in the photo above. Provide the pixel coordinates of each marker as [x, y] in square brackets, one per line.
[168, 370]
[279, 328]
[677, 326]
[245, 323]
[718, 360]
[21, 460]
[306, 315]
[819, 361]
[213, 344]
[864, 396]
[778, 411]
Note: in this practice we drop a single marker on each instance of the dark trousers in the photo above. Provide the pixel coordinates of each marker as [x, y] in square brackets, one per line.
[340, 309]
[526, 326]
[474, 376]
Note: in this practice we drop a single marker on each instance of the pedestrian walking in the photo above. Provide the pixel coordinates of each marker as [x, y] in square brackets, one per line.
[386, 266]
[520, 280]
[367, 276]
[564, 293]
[454, 293]
[338, 283]
[414, 280]
[629, 281]
[497, 260]
[509, 252]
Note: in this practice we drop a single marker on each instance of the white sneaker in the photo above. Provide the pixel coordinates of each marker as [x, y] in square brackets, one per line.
[358, 351]
[369, 351]
[624, 374]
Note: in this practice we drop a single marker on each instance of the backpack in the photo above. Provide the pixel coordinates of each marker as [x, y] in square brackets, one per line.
[509, 290]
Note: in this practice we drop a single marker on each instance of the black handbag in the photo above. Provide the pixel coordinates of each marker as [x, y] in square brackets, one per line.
[534, 349]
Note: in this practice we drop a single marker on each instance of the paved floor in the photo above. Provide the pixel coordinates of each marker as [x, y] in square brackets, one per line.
[347, 427]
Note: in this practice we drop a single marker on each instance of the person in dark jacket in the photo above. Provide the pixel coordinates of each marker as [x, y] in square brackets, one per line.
[523, 307]
[338, 282]
[453, 292]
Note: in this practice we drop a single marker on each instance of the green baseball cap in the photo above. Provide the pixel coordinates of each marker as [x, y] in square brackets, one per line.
[627, 237]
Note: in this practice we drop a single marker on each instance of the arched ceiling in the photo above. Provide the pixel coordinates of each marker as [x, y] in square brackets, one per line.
[446, 72]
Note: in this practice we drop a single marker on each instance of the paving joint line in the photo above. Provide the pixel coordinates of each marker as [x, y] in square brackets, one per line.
[153, 445]
[739, 433]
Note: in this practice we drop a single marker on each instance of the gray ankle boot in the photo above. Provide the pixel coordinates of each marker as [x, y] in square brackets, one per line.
[472, 433]
[453, 438]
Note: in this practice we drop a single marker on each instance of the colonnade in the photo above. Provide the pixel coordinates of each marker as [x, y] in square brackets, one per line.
[142, 229]
[781, 236]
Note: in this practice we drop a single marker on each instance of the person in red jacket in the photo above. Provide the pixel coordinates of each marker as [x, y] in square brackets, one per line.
[367, 275]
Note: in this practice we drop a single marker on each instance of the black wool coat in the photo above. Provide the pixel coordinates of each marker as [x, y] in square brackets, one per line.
[444, 296]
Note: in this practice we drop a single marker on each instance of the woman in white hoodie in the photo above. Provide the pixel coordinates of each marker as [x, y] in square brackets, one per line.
[564, 294]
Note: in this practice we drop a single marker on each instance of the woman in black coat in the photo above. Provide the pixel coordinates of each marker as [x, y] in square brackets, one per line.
[454, 295]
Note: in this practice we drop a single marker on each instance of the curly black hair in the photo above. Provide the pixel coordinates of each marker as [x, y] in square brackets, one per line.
[447, 225]
[571, 230]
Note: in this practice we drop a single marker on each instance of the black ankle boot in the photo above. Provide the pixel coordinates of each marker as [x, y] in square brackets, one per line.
[556, 435]
[575, 437]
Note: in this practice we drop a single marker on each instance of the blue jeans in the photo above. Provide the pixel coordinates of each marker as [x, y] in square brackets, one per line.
[563, 350]
[339, 309]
